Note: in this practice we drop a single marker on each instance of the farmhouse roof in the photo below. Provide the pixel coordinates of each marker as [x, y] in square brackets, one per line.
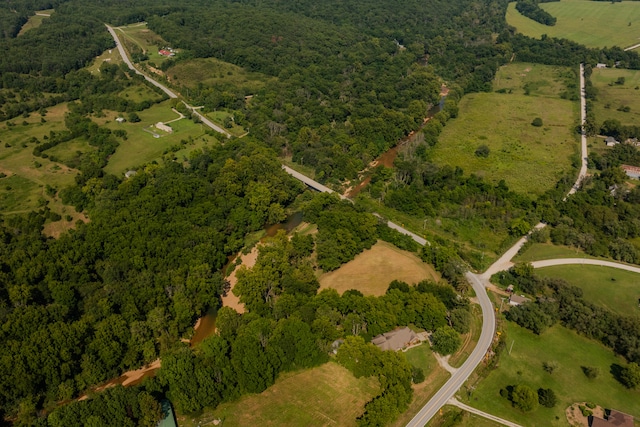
[517, 299]
[395, 340]
[615, 418]
[611, 141]
[631, 171]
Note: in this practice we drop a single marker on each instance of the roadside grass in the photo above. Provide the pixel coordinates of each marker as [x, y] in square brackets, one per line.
[593, 24]
[435, 378]
[524, 366]
[148, 41]
[536, 79]
[142, 147]
[139, 93]
[372, 270]
[219, 117]
[530, 159]
[450, 416]
[35, 21]
[542, 251]
[213, 72]
[616, 290]
[323, 396]
[612, 96]
[470, 339]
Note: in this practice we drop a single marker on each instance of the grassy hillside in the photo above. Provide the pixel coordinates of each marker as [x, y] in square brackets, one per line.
[530, 159]
[612, 96]
[592, 23]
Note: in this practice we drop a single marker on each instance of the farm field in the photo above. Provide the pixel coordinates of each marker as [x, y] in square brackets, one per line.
[372, 270]
[591, 23]
[616, 290]
[142, 147]
[612, 96]
[324, 396]
[35, 20]
[530, 159]
[524, 366]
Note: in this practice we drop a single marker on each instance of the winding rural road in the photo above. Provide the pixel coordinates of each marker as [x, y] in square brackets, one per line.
[159, 85]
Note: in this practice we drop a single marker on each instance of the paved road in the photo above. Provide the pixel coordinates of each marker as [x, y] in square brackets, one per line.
[468, 408]
[584, 261]
[127, 61]
[460, 376]
[157, 84]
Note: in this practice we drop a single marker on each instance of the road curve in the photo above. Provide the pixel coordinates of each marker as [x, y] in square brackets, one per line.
[127, 61]
[584, 261]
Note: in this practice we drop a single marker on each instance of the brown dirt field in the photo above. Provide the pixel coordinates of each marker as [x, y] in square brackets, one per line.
[55, 229]
[575, 417]
[129, 378]
[372, 270]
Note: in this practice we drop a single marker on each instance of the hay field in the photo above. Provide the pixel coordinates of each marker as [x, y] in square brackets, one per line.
[592, 23]
[372, 270]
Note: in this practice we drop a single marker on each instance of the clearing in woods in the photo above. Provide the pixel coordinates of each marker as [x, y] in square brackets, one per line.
[530, 159]
[592, 23]
[328, 395]
[372, 270]
[613, 98]
[35, 20]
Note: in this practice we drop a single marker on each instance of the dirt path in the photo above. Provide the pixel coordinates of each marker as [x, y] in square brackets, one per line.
[128, 378]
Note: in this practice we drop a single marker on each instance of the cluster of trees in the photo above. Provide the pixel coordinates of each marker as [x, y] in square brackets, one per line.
[564, 303]
[532, 10]
[112, 294]
[526, 399]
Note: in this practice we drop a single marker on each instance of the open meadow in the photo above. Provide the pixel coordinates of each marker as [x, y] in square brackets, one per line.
[138, 38]
[616, 290]
[328, 395]
[613, 97]
[372, 270]
[142, 146]
[524, 366]
[594, 24]
[530, 159]
[213, 72]
[36, 20]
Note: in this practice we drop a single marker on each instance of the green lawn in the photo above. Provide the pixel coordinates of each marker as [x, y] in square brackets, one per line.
[524, 366]
[328, 395]
[541, 251]
[142, 147]
[592, 23]
[612, 97]
[530, 159]
[616, 290]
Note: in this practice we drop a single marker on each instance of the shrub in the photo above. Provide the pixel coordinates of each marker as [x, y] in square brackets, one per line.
[417, 375]
[524, 398]
[483, 151]
[590, 372]
[547, 397]
[537, 122]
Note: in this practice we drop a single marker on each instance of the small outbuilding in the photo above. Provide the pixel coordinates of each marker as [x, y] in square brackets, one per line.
[517, 299]
[130, 173]
[397, 339]
[632, 172]
[611, 141]
[120, 120]
[612, 418]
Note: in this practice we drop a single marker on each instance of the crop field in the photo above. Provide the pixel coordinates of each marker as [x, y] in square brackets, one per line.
[372, 270]
[328, 395]
[35, 21]
[592, 23]
[616, 290]
[524, 366]
[530, 159]
[612, 97]
[142, 147]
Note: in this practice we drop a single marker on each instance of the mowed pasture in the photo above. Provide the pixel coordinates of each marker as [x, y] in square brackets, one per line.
[524, 366]
[328, 395]
[611, 97]
[594, 24]
[616, 290]
[530, 159]
[372, 270]
[142, 147]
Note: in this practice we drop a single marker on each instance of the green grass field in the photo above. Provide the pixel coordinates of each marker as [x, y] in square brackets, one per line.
[142, 147]
[612, 97]
[149, 42]
[541, 251]
[35, 21]
[110, 55]
[592, 23]
[530, 159]
[328, 395]
[220, 116]
[213, 72]
[617, 290]
[524, 366]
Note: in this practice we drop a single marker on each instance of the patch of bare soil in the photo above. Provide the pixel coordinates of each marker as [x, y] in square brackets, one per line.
[575, 417]
[230, 300]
